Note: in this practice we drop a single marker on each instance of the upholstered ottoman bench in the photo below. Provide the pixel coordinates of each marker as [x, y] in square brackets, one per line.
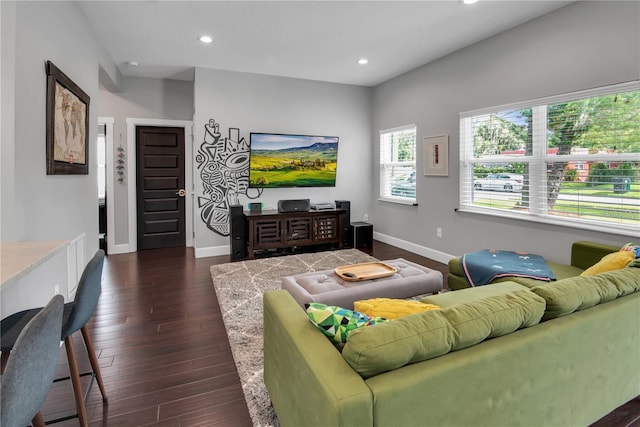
[327, 287]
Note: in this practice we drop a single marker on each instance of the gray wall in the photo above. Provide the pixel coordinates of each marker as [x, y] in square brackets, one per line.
[140, 98]
[257, 103]
[8, 227]
[38, 206]
[584, 45]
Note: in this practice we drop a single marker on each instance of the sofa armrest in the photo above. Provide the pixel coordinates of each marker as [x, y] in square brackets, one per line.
[455, 275]
[584, 254]
[308, 380]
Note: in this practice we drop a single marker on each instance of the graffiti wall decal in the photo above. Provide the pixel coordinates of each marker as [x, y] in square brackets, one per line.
[224, 171]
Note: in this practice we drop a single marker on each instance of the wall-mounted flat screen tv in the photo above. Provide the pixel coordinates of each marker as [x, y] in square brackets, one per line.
[281, 160]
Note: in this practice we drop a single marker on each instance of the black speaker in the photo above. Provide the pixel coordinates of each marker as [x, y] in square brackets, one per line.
[238, 233]
[362, 235]
[294, 205]
[347, 240]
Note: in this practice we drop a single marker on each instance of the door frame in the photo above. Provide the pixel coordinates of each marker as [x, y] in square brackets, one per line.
[109, 181]
[132, 174]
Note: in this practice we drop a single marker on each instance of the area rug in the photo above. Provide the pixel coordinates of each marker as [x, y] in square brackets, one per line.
[239, 287]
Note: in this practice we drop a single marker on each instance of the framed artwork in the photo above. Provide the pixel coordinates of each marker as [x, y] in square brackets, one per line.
[67, 125]
[436, 155]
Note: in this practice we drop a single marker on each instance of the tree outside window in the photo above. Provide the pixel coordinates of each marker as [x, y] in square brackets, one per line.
[578, 159]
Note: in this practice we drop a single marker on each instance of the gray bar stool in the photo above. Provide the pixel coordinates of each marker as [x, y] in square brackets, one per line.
[31, 367]
[75, 317]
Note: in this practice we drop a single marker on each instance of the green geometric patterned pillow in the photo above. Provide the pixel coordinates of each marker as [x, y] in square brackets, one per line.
[337, 322]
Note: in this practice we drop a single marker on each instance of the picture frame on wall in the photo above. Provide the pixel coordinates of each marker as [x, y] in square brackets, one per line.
[436, 155]
[67, 126]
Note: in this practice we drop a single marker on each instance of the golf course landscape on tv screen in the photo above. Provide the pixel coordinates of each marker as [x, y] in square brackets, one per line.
[280, 160]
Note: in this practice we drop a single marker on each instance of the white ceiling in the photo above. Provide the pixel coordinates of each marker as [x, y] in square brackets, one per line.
[316, 40]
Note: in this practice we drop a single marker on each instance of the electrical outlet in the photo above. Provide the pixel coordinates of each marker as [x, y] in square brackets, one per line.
[439, 232]
[56, 290]
[366, 217]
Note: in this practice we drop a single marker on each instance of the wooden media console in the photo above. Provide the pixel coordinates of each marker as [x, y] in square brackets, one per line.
[271, 229]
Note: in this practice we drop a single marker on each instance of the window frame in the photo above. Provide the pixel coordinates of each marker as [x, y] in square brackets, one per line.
[538, 163]
[385, 165]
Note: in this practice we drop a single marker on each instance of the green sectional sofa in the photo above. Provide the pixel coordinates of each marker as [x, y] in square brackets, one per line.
[558, 354]
[583, 255]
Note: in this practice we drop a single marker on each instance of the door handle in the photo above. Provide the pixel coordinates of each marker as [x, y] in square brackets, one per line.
[181, 192]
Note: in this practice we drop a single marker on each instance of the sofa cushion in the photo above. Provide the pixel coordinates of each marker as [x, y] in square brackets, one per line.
[493, 316]
[577, 293]
[447, 299]
[612, 261]
[394, 344]
[337, 322]
[422, 336]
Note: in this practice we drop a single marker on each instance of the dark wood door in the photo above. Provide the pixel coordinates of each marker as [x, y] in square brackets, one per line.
[160, 187]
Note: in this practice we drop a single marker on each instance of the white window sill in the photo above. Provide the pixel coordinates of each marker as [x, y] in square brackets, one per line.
[399, 201]
[620, 229]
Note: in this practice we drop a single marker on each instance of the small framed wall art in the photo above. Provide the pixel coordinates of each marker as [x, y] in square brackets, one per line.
[436, 155]
[67, 125]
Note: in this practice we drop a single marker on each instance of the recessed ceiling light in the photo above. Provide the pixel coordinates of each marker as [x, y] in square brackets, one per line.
[363, 61]
[206, 39]
[132, 63]
[469, 1]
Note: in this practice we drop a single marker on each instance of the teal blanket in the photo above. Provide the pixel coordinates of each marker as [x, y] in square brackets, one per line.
[482, 267]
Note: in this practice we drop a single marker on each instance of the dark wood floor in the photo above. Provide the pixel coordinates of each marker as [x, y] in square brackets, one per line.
[163, 350]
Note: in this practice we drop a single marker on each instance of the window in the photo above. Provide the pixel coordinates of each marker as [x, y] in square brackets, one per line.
[570, 160]
[398, 164]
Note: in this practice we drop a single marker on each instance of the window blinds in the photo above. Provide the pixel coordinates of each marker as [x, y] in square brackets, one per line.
[578, 160]
[398, 164]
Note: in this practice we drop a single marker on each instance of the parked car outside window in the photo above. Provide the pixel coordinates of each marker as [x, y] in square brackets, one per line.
[499, 182]
[405, 187]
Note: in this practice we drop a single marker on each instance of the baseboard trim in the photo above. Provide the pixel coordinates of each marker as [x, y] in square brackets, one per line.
[402, 244]
[119, 249]
[412, 247]
[212, 251]
[127, 248]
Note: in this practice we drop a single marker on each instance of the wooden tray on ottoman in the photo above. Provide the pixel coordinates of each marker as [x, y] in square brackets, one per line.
[366, 271]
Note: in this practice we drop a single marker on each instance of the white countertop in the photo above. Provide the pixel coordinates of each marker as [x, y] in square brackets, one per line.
[18, 258]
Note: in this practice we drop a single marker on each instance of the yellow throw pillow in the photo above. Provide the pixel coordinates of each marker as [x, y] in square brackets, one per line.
[391, 308]
[613, 261]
